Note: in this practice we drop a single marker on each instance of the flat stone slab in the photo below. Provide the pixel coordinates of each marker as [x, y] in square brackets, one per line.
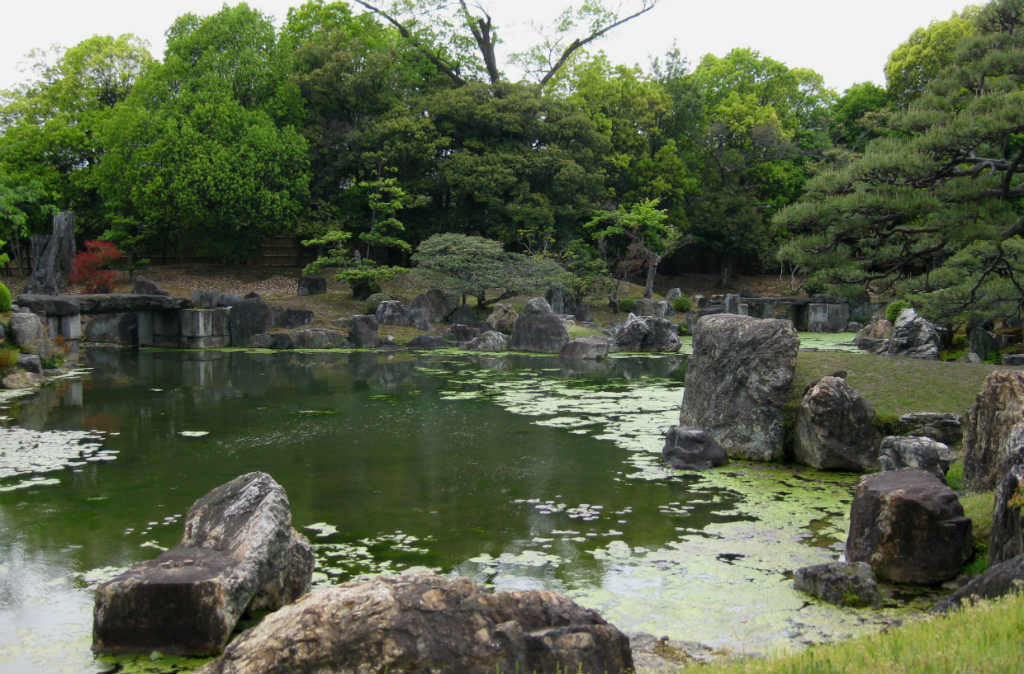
[66, 305]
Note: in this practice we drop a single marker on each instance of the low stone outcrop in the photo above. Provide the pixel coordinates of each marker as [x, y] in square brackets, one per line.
[318, 338]
[649, 307]
[420, 622]
[433, 306]
[692, 449]
[392, 312]
[538, 329]
[288, 318]
[941, 426]
[994, 429]
[144, 286]
[874, 336]
[312, 285]
[835, 429]
[22, 379]
[914, 336]
[248, 318]
[909, 526]
[362, 331]
[272, 340]
[915, 451]
[460, 333]
[998, 580]
[648, 334]
[427, 342]
[586, 348]
[491, 341]
[840, 583]
[239, 552]
[738, 380]
[1007, 538]
[503, 318]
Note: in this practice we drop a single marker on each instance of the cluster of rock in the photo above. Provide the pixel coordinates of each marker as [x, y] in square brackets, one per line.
[912, 336]
[809, 314]
[239, 553]
[32, 337]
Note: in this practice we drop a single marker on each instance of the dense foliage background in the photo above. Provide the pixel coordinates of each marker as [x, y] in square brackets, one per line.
[369, 129]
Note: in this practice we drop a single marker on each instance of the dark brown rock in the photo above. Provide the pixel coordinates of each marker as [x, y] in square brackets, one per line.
[427, 623]
[994, 429]
[835, 429]
[362, 332]
[586, 348]
[909, 526]
[1000, 579]
[692, 449]
[839, 583]
[538, 329]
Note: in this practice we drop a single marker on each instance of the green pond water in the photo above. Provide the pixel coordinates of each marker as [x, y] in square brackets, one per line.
[520, 472]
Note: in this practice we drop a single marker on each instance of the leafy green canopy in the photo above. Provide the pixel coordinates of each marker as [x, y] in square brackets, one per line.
[934, 208]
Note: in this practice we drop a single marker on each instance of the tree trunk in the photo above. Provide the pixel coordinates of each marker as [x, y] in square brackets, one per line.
[725, 271]
[652, 270]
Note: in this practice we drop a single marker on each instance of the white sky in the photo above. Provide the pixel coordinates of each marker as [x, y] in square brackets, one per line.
[847, 41]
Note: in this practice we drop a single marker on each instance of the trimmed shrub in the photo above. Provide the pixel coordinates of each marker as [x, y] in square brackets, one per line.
[682, 304]
[8, 357]
[626, 305]
[5, 298]
[892, 312]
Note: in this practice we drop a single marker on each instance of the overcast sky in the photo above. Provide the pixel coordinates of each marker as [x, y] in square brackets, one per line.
[846, 41]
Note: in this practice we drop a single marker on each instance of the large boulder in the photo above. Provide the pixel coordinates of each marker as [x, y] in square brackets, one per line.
[317, 338]
[490, 341]
[692, 449]
[874, 337]
[909, 526]
[915, 451]
[994, 429]
[647, 333]
[503, 318]
[31, 334]
[835, 428]
[914, 336]
[538, 329]
[427, 342]
[362, 331]
[249, 317]
[287, 317]
[392, 312]
[420, 622]
[433, 306]
[650, 307]
[999, 579]
[840, 583]
[53, 257]
[586, 348]
[944, 427]
[239, 552]
[1007, 538]
[22, 379]
[462, 334]
[738, 380]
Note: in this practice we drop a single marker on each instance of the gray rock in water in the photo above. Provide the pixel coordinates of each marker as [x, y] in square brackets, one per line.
[392, 312]
[915, 451]
[692, 449]
[316, 338]
[427, 342]
[914, 336]
[421, 622]
[1000, 579]
[312, 285]
[22, 379]
[538, 329]
[647, 334]
[738, 380]
[994, 429]
[503, 318]
[249, 317]
[271, 340]
[586, 348]
[1007, 538]
[835, 428]
[839, 583]
[941, 426]
[909, 526]
[239, 552]
[460, 333]
[144, 286]
[362, 332]
[491, 341]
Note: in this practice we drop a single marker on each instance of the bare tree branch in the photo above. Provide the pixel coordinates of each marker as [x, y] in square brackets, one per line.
[482, 29]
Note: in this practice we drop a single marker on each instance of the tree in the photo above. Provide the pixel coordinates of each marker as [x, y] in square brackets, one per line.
[934, 208]
[472, 265]
[640, 235]
[17, 205]
[855, 116]
[463, 45]
[916, 62]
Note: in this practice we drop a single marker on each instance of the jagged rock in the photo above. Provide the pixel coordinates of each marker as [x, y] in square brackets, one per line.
[461, 333]
[994, 429]
[312, 285]
[391, 312]
[839, 583]
[288, 318]
[983, 343]
[30, 362]
[874, 337]
[114, 328]
[915, 451]
[248, 318]
[491, 341]
[940, 426]
[238, 552]
[30, 334]
[538, 329]
[914, 336]
[52, 265]
[503, 318]
[649, 307]
[835, 429]
[427, 342]
[362, 331]
[909, 526]
[464, 314]
[738, 380]
[586, 348]
[421, 622]
[271, 340]
[692, 449]
[999, 579]
[231, 299]
[1007, 538]
[647, 334]
[316, 338]
[144, 286]
[561, 301]
[19, 379]
[433, 306]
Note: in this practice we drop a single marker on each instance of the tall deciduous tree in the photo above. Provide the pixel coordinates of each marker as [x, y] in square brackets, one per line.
[916, 62]
[936, 207]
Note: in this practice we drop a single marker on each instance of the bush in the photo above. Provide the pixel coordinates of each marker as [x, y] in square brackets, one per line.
[5, 298]
[682, 304]
[374, 300]
[892, 312]
[626, 305]
[91, 266]
[8, 357]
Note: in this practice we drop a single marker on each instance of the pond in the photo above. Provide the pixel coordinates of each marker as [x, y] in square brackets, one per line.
[518, 471]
